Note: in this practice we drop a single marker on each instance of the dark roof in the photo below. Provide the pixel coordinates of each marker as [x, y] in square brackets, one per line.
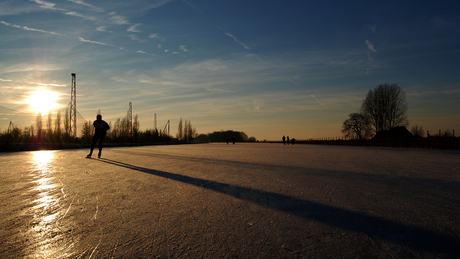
[395, 133]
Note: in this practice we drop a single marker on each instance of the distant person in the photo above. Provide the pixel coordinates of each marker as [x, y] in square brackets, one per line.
[287, 140]
[293, 141]
[100, 129]
[284, 140]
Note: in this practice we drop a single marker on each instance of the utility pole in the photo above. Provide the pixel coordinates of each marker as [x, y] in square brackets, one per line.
[73, 106]
[155, 121]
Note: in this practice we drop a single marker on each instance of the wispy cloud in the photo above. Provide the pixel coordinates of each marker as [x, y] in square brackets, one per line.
[29, 67]
[143, 52]
[156, 36]
[101, 28]
[374, 28]
[370, 46]
[47, 5]
[81, 2]
[95, 42]
[12, 8]
[210, 17]
[92, 18]
[135, 38]
[236, 40]
[309, 94]
[5, 80]
[133, 28]
[52, 6]
[157, 4]
[118, 19]
[194, 7]
[291, 81]
[28, 29]
[182, 47]
[55, 85]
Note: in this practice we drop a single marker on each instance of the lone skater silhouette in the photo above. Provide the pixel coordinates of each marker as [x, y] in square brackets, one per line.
[101, 127]
[287, 140]
[284, 140]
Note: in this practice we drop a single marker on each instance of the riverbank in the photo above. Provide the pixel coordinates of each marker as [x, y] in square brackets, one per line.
[15, 147]
[447, 143]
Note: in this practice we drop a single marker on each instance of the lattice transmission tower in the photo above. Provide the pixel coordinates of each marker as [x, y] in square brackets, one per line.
[166, 129]
[73, 106]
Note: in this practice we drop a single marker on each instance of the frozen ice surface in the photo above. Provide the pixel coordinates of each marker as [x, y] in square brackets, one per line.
[225, 201]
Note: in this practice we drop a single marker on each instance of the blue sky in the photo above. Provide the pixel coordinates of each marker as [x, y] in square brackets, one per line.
[268, 68]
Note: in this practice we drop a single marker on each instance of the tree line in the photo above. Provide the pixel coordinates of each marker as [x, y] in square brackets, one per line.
[45, 130]
[57, 130]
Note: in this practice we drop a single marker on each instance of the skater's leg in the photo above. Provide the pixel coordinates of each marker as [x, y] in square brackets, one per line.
[101, 138]
[93, 144]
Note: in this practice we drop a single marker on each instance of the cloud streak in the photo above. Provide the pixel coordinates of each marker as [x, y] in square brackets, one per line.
[95, 42]
[81, 2]
[29, 29]
[309, 94]
[52, 6]
[47, 5]
[236, 40]
[370, 46]
[133, 28]
[210, 17]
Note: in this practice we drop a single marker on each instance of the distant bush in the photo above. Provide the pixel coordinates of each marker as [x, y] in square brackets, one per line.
[223, 136]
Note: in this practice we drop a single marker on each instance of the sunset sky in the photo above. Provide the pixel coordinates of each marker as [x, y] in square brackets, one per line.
[268, 68]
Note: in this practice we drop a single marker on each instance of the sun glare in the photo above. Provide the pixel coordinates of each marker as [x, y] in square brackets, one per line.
[43, 101]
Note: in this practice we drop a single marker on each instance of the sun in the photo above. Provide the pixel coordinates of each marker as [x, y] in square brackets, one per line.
[43, 101]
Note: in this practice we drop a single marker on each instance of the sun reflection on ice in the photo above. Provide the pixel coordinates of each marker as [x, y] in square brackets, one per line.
[46, 208]
[42, 158]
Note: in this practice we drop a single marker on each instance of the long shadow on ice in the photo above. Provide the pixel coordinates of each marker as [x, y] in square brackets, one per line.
[407, 235]
[429, 185]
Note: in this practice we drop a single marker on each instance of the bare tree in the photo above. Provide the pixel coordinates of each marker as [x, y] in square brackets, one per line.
[448, 133]
[32, 131]
[86, 131]
[189, 133]
[136, 126]
[67, 122]
[49, 123]
[417, 131]
[39, 125]
[357, 126]
[57, 126]
[180, 131]
[386, 107]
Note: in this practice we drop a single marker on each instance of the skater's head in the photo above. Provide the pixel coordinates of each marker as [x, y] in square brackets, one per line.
[99, 117]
